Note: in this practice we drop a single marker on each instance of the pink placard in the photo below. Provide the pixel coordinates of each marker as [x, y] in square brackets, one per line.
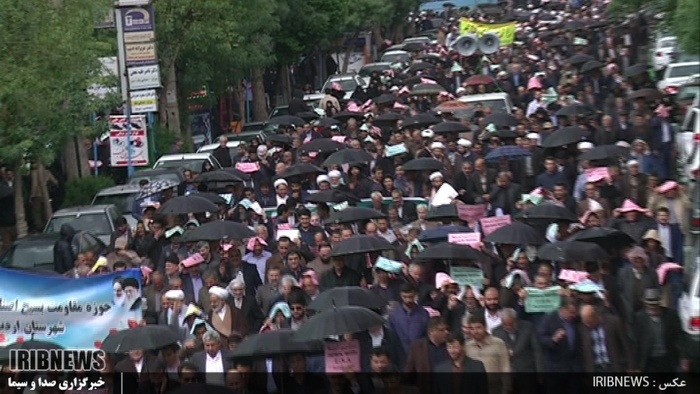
[471, 212]
[469, 239]
[491, 224]
[597, 174]
[339, 138]
[247, 167]
[284, 226]
[342, 357]
[573, 276]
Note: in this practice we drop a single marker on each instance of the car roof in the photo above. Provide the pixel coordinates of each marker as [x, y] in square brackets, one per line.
[119, 189]
[211, 147]
[485, 96]
[156, 171]
[184, 156]
[83, 209]
[341, 76]
[395, 52]
[377, 64]
[684, 64]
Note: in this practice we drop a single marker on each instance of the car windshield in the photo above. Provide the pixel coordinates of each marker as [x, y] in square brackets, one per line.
[29, 256]
[194, 165]
[688, 92]
[279, 111]
[124, 202]
[347, 85]
[496, 105]
[395, 57]
[669, 43]
[684, 71]
[152, 178]
[96, 223]
[367, 70]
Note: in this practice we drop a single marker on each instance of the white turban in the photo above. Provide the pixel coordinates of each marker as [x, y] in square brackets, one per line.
[334, 174]
[427, 133]
[585, 145]
[464, 142]
[218, 291]
[322, 178]
[279, 182]
[175, 295]
[437, 145]
[435, 175]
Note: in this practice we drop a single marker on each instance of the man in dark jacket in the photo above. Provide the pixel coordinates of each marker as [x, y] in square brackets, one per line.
[63, 257]
[222, 154]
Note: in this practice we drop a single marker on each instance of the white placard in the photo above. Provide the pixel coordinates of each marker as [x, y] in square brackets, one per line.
[144, 101]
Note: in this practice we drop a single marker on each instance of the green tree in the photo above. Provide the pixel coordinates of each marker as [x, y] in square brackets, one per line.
[49, 60]
[685, 25]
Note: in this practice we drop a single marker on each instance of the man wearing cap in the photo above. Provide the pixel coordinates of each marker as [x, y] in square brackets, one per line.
[281, 196]
[633, 279]
[427, 136]
[656, 337]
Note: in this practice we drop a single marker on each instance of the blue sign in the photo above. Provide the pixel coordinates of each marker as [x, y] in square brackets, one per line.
[138, 19]
[73, 313]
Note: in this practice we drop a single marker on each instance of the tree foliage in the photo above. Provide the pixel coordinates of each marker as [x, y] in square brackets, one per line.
[49, 59]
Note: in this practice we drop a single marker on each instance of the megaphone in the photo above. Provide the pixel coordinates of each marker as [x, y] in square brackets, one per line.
[466, 45]
[489, 43]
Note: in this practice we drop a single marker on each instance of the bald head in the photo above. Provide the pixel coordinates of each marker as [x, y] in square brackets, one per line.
[589, 316]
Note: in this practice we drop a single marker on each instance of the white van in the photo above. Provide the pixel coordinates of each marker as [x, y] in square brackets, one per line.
[498, 102]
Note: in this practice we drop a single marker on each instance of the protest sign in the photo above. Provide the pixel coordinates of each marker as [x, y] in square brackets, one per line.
[471, 212]
[546, 300]
[72, 313]
[573, 276]
[342, 356]
[491, 224]
[247, 167]
[471, 276]
[469, 239]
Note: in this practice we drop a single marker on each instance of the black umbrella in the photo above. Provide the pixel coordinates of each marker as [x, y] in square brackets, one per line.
[603, 152]
[420, 120]
[575, 110]
[148, 337]
[550, 212]
[385, 99]
[347, 296]
[420, 66]
[287, 120]
[500, 120]
[427, 89]
[213, 197]
[338, 321]
[154, 187]
[414, 47]
[433, 58]
[634, 70]
[307, 116]
[448, 211]
[218, 230]
[300, 170]
[27, 345]
[388, 118]
[84, 241]
[361, 244]
[515, 233]
[571, 135]
[570, 251]
[217, 176]
[327, 122]
[348, 156]
[591, 65]
[450, 127]
[281, 138]
[182, 205]
[343, 116]
[603, 236]
[354, 214]
[273, 344]
[333, 196]
[579, 59]
[423, 164]
[322, 145]
[448, 251]
[648, 94]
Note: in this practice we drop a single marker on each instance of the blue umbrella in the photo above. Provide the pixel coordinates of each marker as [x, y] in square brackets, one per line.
[440, 234]
[510, 152]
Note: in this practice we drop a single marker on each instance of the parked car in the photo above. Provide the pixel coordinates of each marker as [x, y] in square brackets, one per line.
[498, 102]
[155, 174]
[396, 56]
[231, 145]
[121, 196]
[689, 309]
[347, 82]
[663, 52]
[97, 219]
[688, 144]
[33, 253]
[688, 94]
[676, 74]
[191, 161]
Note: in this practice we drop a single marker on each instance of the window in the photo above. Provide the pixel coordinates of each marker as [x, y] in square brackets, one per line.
[29, 256]
[683, 71]
[96, 223]
[124, 202]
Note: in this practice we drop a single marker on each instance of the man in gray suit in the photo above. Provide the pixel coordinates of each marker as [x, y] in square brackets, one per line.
[632, 282]
[270, 290]
[212, 361]
[525, 352]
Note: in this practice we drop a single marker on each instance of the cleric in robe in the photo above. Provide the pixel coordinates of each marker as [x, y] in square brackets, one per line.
[443, 193]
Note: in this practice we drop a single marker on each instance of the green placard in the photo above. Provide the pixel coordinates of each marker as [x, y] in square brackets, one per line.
[471, 276]
[546, 300]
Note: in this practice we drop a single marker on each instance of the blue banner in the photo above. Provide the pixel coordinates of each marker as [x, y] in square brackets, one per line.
[73, 313]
